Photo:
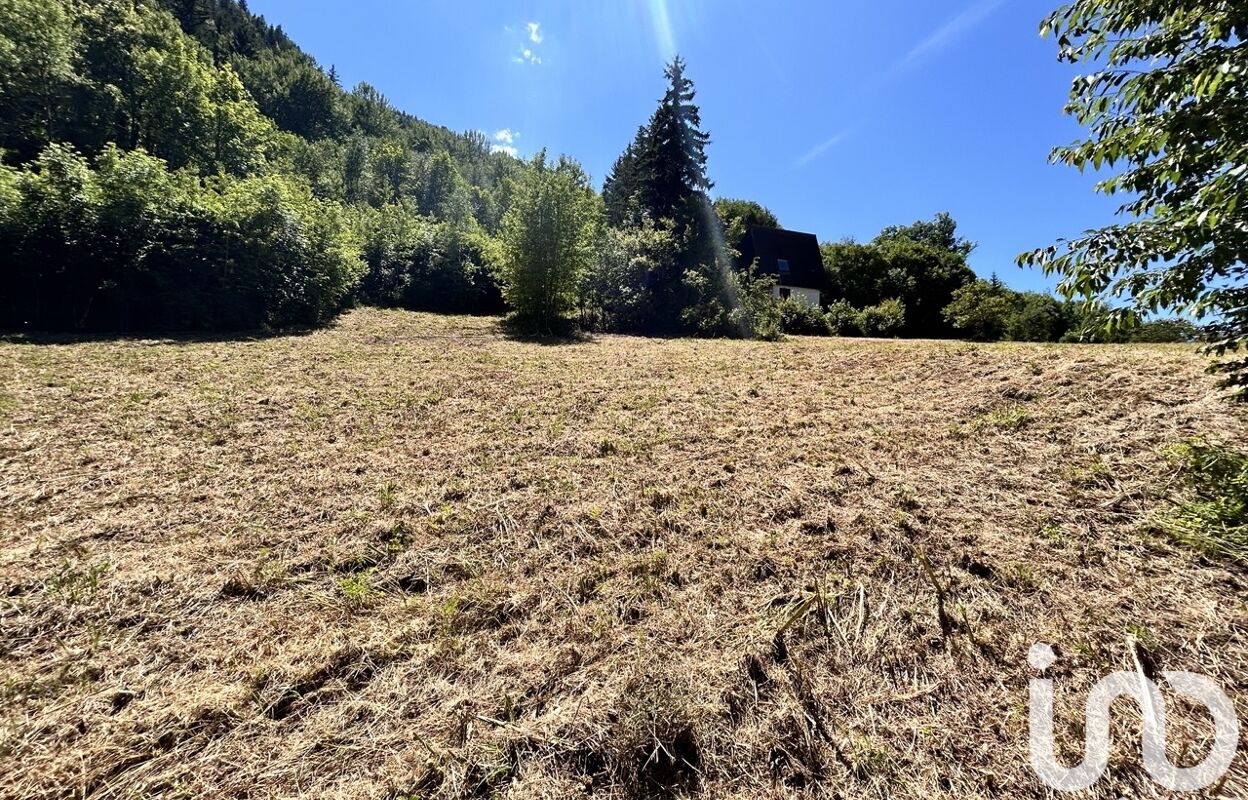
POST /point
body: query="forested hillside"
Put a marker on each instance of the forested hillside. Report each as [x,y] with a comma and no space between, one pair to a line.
[183,165]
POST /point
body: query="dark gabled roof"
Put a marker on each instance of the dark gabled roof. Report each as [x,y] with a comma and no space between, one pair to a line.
[769,245]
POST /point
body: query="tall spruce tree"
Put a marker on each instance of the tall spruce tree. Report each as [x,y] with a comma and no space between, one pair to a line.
[674,157]
[665,165]
[661,177]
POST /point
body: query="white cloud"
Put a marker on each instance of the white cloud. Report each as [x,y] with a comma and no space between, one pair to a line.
[504,142]
[821,148]
[531,36]
[943,36]
[527,56]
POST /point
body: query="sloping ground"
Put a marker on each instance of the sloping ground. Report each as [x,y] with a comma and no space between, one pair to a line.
[409,557]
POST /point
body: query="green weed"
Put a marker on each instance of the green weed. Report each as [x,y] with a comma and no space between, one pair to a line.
[359,590]
[75,583]
[1214,517]
[1005,418]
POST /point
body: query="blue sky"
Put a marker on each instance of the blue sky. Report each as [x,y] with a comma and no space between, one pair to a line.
[842,117]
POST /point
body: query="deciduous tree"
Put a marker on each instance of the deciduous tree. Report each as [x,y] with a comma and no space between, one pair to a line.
[1164,102]
[737,216]
[549,238]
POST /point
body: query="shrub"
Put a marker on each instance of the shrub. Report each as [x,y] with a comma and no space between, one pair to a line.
[885,319]
[980,310]
[801,318]
[1160,331]
[988,311]
[614,295]
[1038,317]
[394,238]
[842,319]
[472,261]
[52,225]
[419,263]
[1091,323]
[131,245]
[726,302]
[273,256]
[1214,518]
[757,310]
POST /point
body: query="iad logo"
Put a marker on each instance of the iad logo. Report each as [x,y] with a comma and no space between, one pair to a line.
[1153,710]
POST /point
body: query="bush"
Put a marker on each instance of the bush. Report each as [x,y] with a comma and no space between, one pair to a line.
[731,303]
[418,263]
[980,310]
[885,319]
[130,245]
[395,237]
[988,311]
[1162,331]
[296,258]
[614,294]
[1214,518]
[472,261]
[801,318]
[842,319]
[757,311]
[1092,323]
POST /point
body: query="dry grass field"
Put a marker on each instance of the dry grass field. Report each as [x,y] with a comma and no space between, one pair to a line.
[409,557]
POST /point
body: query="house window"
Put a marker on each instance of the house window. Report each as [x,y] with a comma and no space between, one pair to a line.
[785,293]
[783,265]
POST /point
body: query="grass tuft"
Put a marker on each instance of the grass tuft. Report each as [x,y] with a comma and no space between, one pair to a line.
[75,583]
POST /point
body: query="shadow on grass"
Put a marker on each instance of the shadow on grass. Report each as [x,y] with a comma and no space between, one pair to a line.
[562,332]
[156,337]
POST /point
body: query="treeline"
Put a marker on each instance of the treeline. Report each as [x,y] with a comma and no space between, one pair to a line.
[914,281]
[183,165]
[123,243]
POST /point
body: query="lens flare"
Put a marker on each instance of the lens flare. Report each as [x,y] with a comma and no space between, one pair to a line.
[664,36]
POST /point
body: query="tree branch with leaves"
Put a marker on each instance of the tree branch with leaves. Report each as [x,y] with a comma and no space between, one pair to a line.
[1167,105]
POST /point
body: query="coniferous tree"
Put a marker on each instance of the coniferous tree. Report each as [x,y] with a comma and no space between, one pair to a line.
[665,165]
[621,192]
[674,157]
[661,177]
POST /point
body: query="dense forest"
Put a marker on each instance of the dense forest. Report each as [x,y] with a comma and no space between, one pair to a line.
[183,165]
